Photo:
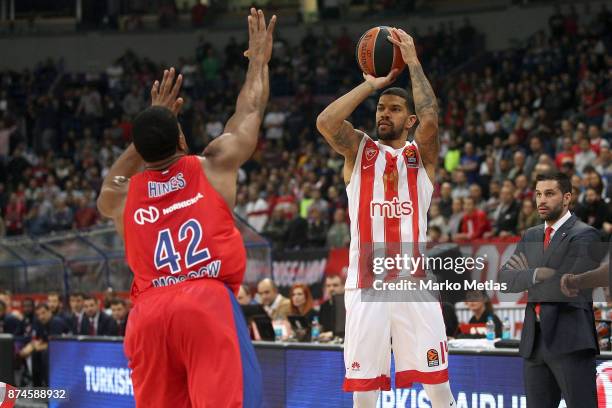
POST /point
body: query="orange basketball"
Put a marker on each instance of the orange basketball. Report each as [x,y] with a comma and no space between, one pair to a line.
[432,355]
[376,55]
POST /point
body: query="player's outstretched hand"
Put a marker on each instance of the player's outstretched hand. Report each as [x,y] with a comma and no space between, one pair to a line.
[166,93]
[406,46]
[381,82]
[260,37]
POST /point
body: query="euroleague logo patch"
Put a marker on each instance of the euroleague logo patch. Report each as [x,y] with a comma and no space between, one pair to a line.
[433,359]
[412,159]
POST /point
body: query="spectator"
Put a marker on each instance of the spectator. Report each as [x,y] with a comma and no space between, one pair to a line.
[506,216]
[454,223]
[481,307]
[338,235]
[276,305]
[14,215]
[593,211]
[446,200]
[461,188]
[297,229]
[317,228]
[244,296]
[9,323]
[528,217]
[45,325]
[276,228]
[519,165]
[94,322]
[273,122]
[474,223]
[257,210]
[585,155]
[334,285]
[133,102]
[120,315]
[86,215]
[56,306]
[437,220]
[62,216]
[301,302]
[28,316]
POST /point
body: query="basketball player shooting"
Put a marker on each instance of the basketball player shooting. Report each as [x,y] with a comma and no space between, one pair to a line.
[389,187]
[186,340]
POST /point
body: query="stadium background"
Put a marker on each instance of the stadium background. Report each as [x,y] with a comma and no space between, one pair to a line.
[507,74]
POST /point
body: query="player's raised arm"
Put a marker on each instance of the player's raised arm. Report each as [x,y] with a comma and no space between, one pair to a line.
[425,103]
[237,143]
[333,124]
[115,186]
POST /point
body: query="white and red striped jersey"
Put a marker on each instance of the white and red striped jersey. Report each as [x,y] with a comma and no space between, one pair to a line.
[388,196]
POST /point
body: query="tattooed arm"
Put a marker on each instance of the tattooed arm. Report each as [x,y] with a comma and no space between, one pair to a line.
[425,104]
[333,124]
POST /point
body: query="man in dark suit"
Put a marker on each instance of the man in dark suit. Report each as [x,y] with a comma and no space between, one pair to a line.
[95,322]
[559,341]
[120,315]
[506,217]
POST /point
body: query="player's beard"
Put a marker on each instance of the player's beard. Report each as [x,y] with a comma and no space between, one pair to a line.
[390,134]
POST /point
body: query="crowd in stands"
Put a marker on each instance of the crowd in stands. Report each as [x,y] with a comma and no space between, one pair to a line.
[505,117]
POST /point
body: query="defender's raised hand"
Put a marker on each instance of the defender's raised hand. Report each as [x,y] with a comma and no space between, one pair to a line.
[166,94]
[260,37]
[405,44]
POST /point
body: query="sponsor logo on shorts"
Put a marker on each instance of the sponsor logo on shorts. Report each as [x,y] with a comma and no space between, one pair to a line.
[433,359]
[143,215]
[355,366]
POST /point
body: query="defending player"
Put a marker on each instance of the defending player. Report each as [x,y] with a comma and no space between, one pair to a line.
[389,187]
[186,341]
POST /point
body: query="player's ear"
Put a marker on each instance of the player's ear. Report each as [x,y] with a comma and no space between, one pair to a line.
[412,119]
[182,142]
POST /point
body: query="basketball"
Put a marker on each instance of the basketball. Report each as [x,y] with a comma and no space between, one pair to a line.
[376,55]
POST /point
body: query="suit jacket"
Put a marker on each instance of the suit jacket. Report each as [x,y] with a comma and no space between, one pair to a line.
[566,324]
[507,220]
[106,325]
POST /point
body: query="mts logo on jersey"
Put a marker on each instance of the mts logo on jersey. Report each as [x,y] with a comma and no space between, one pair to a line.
[157,189]
[390,209]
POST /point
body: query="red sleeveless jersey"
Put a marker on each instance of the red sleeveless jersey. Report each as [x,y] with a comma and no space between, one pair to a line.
[177,227]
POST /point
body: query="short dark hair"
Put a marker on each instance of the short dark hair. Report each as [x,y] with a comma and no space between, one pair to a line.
[402,93]
[156,133]
[89,297]
[77,294]
[42,306]
[565,185]
[55,293]
[118,301]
